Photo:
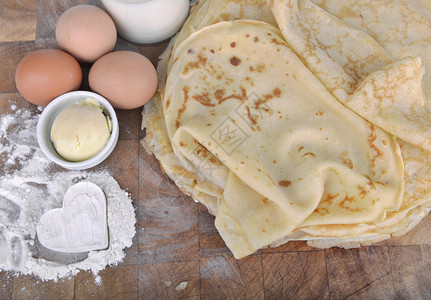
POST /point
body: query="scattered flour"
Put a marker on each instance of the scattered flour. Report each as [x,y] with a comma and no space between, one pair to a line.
[28,189]
[181,286]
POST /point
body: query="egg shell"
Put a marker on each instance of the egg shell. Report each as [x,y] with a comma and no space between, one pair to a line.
[127,79]
[86,31]
[45,74]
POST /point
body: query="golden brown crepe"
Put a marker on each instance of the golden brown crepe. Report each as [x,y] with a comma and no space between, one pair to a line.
[253,123]
[348,52]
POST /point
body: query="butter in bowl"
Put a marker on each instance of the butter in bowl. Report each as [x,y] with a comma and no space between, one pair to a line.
[78,130]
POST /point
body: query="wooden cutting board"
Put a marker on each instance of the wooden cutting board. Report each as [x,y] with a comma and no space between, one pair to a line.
[177,252]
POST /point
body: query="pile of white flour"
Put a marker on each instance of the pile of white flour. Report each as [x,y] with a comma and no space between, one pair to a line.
[28,189]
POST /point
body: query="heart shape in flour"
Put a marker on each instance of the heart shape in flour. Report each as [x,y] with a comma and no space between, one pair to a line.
[80,225]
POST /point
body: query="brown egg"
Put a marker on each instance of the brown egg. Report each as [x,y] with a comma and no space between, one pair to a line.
[87,32]
[127,79]
[45,74]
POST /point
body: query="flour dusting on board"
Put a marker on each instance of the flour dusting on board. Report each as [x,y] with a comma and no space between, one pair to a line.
[28,190]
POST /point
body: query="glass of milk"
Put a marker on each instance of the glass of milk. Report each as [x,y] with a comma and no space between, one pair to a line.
[147,21]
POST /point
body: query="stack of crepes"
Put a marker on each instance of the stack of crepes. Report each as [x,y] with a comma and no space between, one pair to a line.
[298,119]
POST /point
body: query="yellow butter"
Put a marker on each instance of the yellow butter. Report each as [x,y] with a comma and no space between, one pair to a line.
[81,130]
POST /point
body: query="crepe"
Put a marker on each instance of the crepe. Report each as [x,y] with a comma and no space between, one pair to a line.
[401,27]
[203,13]
[254,205]
[415,206]
[350,54]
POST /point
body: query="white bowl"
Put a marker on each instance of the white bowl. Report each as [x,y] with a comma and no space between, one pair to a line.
[147,21]
[48,116]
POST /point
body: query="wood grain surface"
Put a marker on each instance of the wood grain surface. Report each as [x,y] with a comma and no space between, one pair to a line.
[177,252]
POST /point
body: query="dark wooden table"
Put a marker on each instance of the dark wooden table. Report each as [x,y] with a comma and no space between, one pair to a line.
[176,240]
